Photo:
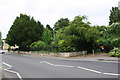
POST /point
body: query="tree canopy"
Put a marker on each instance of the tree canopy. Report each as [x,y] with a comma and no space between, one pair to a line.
[24,31]
[114,15]
[80,21]
[47,35]
[65,36]
[63,22]
[77,36]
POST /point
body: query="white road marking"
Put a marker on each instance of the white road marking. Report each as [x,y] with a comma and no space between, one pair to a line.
[7,64]
[7,69]
[71,66]
[112,74]
[64,65]
[89,69]
[56,64]
[46,62]
[14,73]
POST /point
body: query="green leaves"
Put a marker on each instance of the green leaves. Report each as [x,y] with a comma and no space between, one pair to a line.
[65,46]
[110,36]
[114,15]
[114,31]
[38,44]
[65,36]
[80,21]
[77,36]
[47,36]
[115,52]
[63,22]
[24,31]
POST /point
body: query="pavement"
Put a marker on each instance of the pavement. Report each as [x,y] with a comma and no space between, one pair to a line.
[107,59]
[90,57]
[97,57]
[36,66]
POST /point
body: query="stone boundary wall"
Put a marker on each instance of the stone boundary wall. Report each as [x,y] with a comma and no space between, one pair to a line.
[72,54]
[65,54]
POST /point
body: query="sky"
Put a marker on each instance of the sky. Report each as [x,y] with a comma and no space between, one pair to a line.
[50,11]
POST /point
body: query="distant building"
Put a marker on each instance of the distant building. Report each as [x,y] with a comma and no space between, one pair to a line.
[5,46]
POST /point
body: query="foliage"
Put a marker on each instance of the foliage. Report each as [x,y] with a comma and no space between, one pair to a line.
[46,39]
[114,34]
[56,38]
[66,36]
[48,27]
[115,52]
[24,31]
[113,31]
[47,36]
[65,46]
[114,15]
[77,36]
[114,28]
[80,21]
[109,36]
[103,39]
[63,22]
[39,45]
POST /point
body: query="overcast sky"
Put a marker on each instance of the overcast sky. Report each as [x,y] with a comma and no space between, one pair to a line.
[49,11]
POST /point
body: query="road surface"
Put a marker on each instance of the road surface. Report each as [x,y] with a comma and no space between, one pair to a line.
[34,66]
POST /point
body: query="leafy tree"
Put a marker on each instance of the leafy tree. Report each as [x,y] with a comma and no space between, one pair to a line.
[24,31]
[114,29]
[81,35]
[62,42]
[56,38]
[80,21]
[63,22]
[47,36]
[82,38]
[65,46]
[114,33]
[109,36]
[114,15]
[104,38]
[45,43]
[77,36]
[102,30]
[48,27]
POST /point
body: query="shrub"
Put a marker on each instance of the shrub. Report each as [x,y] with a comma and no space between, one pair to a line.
[39,45]
[115,52]
[65,46]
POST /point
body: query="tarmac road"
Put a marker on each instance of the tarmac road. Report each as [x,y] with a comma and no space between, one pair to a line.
[28,66]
